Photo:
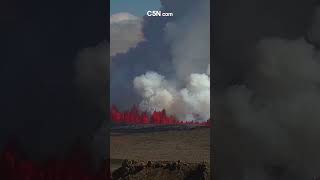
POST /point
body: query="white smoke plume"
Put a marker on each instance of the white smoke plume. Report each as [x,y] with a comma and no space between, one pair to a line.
[125,32]
[159,94]
[186,94]
[154,90]
[189,38]
[196,95]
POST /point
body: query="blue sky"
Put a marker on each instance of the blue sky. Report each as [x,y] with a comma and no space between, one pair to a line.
[135,7]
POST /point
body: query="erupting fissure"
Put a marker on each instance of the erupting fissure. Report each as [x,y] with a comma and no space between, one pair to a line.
[77,165]
[135,116]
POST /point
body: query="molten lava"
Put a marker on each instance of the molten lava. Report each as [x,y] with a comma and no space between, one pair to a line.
[135,116]
[77,166]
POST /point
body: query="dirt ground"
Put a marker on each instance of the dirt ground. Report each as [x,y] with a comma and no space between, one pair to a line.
[191,146]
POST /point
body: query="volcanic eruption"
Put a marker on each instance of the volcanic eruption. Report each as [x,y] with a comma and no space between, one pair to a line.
[165,77]
[136,117]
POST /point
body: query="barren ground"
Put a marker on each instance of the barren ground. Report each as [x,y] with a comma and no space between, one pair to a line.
[191,146]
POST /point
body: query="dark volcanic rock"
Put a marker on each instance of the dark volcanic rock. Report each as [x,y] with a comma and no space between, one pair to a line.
[161,170]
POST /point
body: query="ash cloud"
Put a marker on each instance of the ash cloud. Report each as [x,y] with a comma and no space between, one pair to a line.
[161,71]
[125,32]
[159,94]
[91,74]
[267,120]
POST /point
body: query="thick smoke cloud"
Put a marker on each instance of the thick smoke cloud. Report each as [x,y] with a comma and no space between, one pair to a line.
[91,74]
[159,94]
[238,26]
[189,38]
[267,120]
[154,90]
[125,32]
[287,102]
[91,77]
[160,73]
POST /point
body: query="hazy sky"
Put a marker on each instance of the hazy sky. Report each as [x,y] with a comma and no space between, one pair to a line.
[136,7]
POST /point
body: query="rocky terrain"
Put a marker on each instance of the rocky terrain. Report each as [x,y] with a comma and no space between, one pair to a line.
[164,146]
[161,170]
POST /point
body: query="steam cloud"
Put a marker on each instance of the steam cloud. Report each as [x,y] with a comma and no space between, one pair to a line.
[125,32]
[169,70]
[270,114]
[158,94]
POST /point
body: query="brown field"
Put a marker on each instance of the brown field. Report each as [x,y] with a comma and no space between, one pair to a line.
[192,146]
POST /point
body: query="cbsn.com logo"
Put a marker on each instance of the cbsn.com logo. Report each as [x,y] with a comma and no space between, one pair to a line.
[158,13]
